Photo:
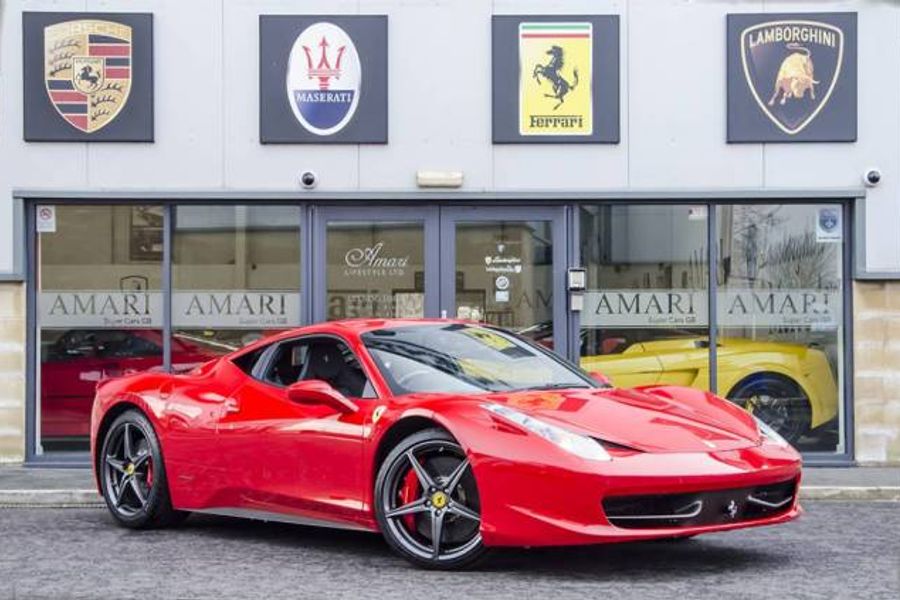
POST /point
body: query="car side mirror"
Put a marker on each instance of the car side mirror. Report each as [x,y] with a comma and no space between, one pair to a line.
[601,378]
[316,391]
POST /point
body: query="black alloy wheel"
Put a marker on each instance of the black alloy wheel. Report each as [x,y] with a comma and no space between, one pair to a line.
[777,401]
[426,502]
[132,474]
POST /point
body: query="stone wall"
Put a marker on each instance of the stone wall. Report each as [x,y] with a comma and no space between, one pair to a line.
[876,361]
[12,372]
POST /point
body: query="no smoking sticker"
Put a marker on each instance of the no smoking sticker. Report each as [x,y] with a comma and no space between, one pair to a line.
[46,219]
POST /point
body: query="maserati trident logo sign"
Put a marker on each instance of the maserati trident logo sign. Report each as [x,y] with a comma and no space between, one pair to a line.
[792,67]
[323,78]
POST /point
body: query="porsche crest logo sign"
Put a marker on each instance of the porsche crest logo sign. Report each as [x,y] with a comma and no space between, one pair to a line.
[780,59]
[792,77]
[88,77]
[555,79]
[555,74]
[87,67]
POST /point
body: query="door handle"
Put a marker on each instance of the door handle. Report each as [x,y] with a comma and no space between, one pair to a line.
[231,405]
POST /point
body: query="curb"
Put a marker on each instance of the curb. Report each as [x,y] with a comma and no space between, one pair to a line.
[50,499]
[91,499]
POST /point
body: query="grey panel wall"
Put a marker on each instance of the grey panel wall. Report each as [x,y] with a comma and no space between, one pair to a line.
[672,103]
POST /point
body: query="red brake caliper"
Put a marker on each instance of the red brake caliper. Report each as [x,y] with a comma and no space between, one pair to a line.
[149,473]
[409,492]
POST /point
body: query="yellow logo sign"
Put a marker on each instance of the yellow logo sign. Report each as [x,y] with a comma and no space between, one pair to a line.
[439,499]
[555,78]
[87,71]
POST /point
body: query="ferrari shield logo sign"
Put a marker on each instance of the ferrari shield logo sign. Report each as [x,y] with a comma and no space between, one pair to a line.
[555,78]
[792,67]
[87,71]
[323,78]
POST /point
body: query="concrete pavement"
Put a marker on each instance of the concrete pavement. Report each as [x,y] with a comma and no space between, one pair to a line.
[835,550]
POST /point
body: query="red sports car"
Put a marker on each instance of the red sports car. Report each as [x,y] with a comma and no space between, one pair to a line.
[448,437]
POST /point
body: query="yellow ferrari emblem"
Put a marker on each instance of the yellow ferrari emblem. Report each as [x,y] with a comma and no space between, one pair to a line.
[129,470]
[439,499]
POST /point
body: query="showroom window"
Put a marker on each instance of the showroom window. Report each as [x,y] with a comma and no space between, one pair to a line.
[99,310]
[645,316]
[780,317]
[779,307]
[235,278]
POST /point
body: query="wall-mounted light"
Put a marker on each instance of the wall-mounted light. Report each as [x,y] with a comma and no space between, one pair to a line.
[439,179]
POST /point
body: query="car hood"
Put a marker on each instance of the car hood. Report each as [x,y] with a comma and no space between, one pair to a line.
[657,419]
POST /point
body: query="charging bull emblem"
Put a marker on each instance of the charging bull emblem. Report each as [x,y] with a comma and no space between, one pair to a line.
[778,64]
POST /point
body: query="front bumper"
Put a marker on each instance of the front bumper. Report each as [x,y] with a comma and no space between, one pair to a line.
[550,505]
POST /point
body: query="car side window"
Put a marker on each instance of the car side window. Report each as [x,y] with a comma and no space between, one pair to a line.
[325,359]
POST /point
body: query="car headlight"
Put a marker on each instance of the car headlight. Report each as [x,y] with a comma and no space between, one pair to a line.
[769,434]
[579,445]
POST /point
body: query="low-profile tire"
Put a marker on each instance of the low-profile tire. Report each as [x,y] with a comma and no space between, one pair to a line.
[133,476]
[777,400]
[425,490]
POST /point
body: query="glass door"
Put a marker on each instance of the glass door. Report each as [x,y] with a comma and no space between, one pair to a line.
[507,266]
[375,263]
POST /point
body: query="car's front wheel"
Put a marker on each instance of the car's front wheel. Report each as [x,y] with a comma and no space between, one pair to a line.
[777,401]
[132,474]
[427,504]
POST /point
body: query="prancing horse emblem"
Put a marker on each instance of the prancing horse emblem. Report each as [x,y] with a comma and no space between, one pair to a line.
[731,509]
[551,72]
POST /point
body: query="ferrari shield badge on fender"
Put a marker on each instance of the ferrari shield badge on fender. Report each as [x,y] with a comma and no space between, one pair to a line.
[323,78]
[555,78]
[792,67]
[87,71]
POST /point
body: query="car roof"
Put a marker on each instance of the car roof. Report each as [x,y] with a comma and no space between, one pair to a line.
[348,327]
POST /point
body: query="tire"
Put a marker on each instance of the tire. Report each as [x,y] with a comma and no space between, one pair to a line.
[777,400]
[439,488]
[133,476]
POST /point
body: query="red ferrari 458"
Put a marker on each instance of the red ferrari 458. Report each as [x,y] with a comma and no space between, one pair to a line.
[449,438]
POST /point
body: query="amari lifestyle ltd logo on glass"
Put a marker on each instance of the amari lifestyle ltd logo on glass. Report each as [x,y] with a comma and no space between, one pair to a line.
[323,78]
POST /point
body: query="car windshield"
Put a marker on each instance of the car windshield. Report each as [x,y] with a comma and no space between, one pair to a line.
[463,358]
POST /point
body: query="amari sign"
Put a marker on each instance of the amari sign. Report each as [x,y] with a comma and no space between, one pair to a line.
[812,308]
[226,309]
[792,77]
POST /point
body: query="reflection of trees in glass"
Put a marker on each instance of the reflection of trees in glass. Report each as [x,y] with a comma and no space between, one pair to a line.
[799,261]
[764,252]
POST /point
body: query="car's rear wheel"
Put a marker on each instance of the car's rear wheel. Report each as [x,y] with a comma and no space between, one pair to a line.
[427,504]
[133,476]
[776,400]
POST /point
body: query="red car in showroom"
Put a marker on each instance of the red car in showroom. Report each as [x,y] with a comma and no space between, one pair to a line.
[448,437]
[75,361]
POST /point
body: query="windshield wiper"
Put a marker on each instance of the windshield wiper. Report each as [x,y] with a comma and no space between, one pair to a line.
[558,386]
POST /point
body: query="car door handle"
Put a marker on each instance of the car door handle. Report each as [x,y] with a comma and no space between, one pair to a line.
[231,405]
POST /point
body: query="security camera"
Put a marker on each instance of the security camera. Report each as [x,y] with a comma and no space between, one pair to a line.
[872,177]
[309,180]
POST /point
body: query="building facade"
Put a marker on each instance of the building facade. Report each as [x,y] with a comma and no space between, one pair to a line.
[661,191]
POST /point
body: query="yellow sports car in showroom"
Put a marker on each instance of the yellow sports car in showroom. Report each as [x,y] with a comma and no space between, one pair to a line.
[789,386]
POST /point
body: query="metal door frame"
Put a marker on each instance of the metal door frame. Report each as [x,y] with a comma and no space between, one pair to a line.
[322,215]
[556,215]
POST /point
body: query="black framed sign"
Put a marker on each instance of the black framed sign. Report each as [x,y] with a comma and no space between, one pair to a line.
[792,77]
[88,77]
[323,79]
[555,79]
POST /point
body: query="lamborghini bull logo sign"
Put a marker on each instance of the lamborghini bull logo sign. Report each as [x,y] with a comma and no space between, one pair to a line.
[792,67]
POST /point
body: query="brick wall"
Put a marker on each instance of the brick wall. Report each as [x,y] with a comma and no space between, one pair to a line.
[12,372]
[877,371]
